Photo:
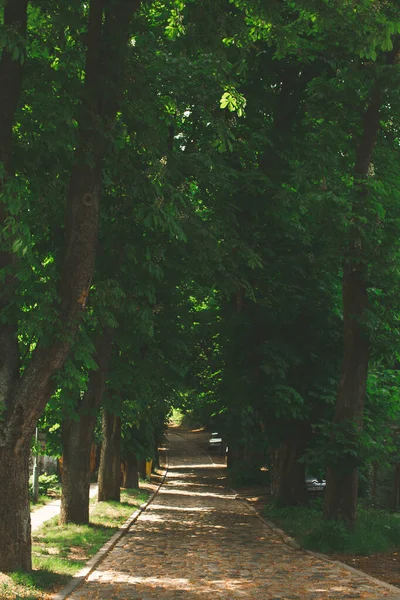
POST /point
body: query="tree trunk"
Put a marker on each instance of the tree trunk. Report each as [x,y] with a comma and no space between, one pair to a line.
[94,459]
[374,483]
[342,475]
[110,459]
[236,454]
[15,513]
[395,489]
[130,474]
[77,438]
[142,467]
[15,532]
[288,486]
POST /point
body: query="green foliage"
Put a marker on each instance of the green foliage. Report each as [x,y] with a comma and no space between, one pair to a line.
[376,530]
[49,485]
[228,197]
[233,101]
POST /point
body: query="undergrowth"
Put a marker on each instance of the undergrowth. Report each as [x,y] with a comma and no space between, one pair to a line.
[376,530]
[247,475]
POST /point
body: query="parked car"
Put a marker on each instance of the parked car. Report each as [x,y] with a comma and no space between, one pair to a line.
[314,484]
[215,442]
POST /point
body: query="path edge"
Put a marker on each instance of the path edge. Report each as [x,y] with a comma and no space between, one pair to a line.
[287,539]
[92,563]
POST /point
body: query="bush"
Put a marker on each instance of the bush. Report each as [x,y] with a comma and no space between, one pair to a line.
[49,485]
[327,536]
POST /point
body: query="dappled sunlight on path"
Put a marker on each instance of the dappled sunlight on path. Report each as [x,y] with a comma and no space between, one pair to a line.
[197,541]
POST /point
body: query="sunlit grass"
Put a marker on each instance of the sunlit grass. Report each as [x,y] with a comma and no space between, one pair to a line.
[58,552]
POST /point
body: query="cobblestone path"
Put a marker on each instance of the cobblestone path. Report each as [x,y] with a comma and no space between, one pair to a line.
[197,542]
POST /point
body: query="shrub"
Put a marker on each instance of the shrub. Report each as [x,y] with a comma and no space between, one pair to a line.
[49,485]
[327,536]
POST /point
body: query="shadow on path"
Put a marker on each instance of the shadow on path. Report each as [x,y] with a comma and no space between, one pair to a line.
[197,541]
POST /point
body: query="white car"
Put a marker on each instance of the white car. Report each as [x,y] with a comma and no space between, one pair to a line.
[313,484]
[215,441]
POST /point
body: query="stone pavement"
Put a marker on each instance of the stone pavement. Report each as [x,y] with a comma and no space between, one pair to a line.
[197,542]
[52,509]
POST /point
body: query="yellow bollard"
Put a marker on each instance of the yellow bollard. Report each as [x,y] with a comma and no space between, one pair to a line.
[149,465]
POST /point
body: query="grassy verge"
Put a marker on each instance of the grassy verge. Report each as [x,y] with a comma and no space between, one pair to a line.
[41,501]
[44,499]
[49,490]
[60,551]
[376,531]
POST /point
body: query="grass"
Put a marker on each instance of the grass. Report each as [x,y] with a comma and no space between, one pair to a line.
[376,530]
[42,500]
[48,494]
[58,552]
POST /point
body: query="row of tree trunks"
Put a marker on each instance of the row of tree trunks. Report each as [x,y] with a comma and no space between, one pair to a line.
[114,473]
[77,439]
[25,397]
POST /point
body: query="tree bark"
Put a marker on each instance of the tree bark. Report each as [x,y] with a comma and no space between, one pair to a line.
[374,483]
[94,459]
[342,476]
[15,17]
[235,455]
[77,439]
[15,516]
[110,459]
[288,486]
[25,397]
[395,488]
[142,468]
[130,474]
[15,532]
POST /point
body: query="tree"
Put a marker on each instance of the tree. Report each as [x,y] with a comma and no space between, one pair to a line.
[25,395]
[110,459]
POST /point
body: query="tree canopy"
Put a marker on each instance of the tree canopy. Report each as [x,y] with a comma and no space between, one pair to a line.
[200,208]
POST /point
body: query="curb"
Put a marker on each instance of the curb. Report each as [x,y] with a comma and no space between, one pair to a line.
[90,566]
[293,544]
